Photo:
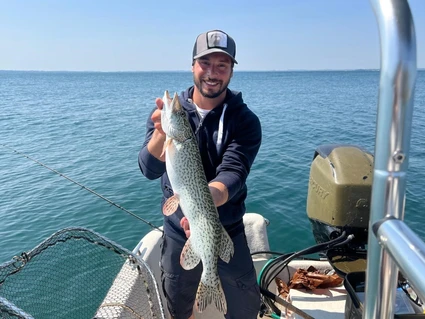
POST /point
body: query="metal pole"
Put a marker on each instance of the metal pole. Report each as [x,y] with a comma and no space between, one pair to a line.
[406,249]
[395,108]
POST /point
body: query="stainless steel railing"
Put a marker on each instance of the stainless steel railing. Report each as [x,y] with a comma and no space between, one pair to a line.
[406,249]
[392,145]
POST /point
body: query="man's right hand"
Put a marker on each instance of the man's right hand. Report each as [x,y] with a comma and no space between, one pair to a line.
[156,144]
[156,115]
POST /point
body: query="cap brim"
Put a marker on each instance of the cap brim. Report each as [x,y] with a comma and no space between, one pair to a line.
[214,50]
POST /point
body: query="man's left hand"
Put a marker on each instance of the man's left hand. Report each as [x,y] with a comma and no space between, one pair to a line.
[184,223]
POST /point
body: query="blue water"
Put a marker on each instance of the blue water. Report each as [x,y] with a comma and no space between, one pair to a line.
[90,127]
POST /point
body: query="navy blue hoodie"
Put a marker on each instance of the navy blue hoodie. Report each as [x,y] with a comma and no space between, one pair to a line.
[227,151]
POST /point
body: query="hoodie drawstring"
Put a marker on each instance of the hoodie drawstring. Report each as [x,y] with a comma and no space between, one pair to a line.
[220,124]
[220,128]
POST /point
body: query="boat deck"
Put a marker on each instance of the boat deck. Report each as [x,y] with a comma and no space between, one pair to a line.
[326,303]
[318,303]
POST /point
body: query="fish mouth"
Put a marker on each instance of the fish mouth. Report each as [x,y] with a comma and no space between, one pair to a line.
[167,100]
[171,104]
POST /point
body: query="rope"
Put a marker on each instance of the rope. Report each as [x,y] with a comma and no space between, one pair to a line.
[83,187]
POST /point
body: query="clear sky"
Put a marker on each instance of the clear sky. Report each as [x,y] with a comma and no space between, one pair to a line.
[142,35]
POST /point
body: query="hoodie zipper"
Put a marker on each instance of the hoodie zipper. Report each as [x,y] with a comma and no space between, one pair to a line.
[201,120]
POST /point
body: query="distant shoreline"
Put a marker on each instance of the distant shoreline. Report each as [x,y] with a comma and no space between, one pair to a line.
[188,71]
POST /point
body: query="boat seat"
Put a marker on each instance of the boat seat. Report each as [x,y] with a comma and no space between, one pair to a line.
[256,233]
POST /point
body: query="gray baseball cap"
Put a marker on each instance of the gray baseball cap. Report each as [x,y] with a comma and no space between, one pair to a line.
[214,41]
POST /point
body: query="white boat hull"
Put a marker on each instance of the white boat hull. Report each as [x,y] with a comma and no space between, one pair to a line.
[320,303]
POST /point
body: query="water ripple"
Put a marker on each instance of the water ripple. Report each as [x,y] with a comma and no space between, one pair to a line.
[90,127]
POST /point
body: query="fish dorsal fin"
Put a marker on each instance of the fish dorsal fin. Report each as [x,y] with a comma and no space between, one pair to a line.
[170,206]
[188,258]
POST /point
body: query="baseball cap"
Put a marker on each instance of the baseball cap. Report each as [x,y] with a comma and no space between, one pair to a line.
[214,41]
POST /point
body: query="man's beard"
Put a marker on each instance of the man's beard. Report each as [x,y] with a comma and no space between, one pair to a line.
[221,88]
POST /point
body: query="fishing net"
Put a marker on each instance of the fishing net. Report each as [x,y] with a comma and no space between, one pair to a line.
[77,273]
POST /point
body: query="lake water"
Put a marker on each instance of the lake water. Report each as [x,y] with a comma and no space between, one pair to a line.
[90,126]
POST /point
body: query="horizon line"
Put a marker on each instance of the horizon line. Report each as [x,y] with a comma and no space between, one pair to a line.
[136,71]
[188,71]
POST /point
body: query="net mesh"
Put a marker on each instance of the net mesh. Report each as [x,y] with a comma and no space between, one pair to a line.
[77,273]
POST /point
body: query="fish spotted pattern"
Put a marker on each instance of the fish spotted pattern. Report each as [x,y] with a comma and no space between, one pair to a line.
[208,239]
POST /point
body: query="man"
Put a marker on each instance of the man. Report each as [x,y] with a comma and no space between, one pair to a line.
[229,137]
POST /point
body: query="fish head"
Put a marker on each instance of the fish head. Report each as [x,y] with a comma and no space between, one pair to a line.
[173,119]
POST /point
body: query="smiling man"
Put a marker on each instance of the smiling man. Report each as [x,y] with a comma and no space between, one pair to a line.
[228,134]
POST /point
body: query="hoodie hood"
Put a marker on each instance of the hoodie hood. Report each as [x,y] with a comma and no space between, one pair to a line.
[232,102]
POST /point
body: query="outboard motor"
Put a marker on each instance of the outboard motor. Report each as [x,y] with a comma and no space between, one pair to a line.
[338,201]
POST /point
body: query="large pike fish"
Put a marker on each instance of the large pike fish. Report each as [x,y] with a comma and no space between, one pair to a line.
[208,239]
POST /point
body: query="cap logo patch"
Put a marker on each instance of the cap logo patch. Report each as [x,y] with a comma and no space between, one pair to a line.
[217,39]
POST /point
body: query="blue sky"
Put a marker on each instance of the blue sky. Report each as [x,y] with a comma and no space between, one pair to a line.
[141,35]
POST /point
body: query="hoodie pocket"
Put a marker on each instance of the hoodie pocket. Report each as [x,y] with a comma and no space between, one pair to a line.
[247,281]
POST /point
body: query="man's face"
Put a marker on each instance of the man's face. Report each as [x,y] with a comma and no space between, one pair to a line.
[212,73]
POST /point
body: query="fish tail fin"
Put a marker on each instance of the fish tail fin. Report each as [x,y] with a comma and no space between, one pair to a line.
[208,294]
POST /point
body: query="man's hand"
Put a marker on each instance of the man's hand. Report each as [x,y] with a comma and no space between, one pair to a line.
[184,223]
[156,115]
[156,144]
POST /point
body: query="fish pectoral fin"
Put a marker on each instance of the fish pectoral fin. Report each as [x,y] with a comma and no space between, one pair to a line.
[207,294]
[167,142]
[171,205]
[188,258]
[227,248]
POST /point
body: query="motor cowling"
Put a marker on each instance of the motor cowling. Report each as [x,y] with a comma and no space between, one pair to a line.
[338,200]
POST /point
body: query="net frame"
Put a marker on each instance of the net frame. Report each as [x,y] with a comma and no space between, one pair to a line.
[124,274]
